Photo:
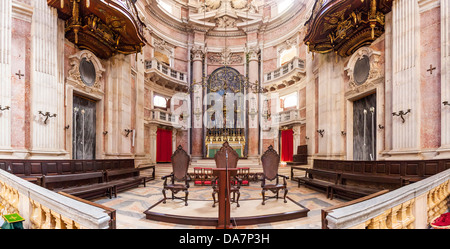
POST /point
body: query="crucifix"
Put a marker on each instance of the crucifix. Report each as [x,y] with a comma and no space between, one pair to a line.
[431,69]
[20,75]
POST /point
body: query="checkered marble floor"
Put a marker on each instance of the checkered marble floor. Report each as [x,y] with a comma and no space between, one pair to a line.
[130,205]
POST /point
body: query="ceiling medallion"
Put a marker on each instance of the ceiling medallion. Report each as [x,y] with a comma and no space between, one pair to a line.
[344,26]
[103,28]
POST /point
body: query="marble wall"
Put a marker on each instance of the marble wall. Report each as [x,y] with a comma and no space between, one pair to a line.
[5,75]
[416,37]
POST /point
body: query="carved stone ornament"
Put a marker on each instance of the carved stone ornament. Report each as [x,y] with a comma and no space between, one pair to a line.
[242,5]
[197,52]
[288,44]
[162,46]
[225,57]
[226,22]
[366,62]
[88,76]
[253,53]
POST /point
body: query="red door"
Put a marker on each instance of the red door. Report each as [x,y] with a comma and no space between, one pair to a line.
[287,145]
[163,145]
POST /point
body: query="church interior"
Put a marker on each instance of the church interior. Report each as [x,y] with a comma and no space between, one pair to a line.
[162,114]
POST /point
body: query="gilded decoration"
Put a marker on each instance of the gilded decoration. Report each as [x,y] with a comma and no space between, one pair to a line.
[103,28]
[226,78]
[344,26]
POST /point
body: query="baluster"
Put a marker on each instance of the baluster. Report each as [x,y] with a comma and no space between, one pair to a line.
[76,225]
[48,223]
[410,215]
[36,215]
[402,215]
[58,220]
[394,218]
[68,223]
[7,198]
[430,205]
[384,218]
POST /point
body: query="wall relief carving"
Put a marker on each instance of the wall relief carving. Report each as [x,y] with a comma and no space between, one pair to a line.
[86,72]
[364,70]
[226,57]
[242,5]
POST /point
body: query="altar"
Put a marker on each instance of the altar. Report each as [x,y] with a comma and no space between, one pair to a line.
[212,148]
[215,138]
[225,118]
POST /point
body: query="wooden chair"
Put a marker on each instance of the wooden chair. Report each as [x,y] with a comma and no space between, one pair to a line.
[224,155]
[270,163]
[180,165]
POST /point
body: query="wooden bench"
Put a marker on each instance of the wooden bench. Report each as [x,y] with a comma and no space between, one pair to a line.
[350,192]
[124,178]
[145,167]
[398,180]
[310,180]
[296,168]
[83,185]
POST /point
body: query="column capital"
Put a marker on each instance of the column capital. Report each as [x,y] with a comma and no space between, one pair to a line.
[253,53]
[197,52]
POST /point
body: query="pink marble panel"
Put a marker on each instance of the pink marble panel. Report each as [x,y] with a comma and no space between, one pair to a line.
[20,88]
[430,84]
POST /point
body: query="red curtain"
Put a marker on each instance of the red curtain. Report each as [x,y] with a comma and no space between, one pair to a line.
[163,145]
[287,145]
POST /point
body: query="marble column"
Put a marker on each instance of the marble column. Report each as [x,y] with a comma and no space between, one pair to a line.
[253,97]
[197,53]
[46,88]
[139,148]
[153,130]
[405,79]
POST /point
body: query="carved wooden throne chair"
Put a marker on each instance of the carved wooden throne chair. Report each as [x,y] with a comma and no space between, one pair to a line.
[270,163]
[221,162]
[179,178]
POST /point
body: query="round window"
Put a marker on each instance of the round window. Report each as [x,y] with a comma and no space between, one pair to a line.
[362,70]
[87,72]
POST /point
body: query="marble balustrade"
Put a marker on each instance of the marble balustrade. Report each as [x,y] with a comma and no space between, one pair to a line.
[44,209]
[411,207]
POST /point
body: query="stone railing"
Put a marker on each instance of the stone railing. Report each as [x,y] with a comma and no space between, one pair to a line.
[44,209]
[283,118]
[166,72]
[409,207]
[166,118]
[291,68]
